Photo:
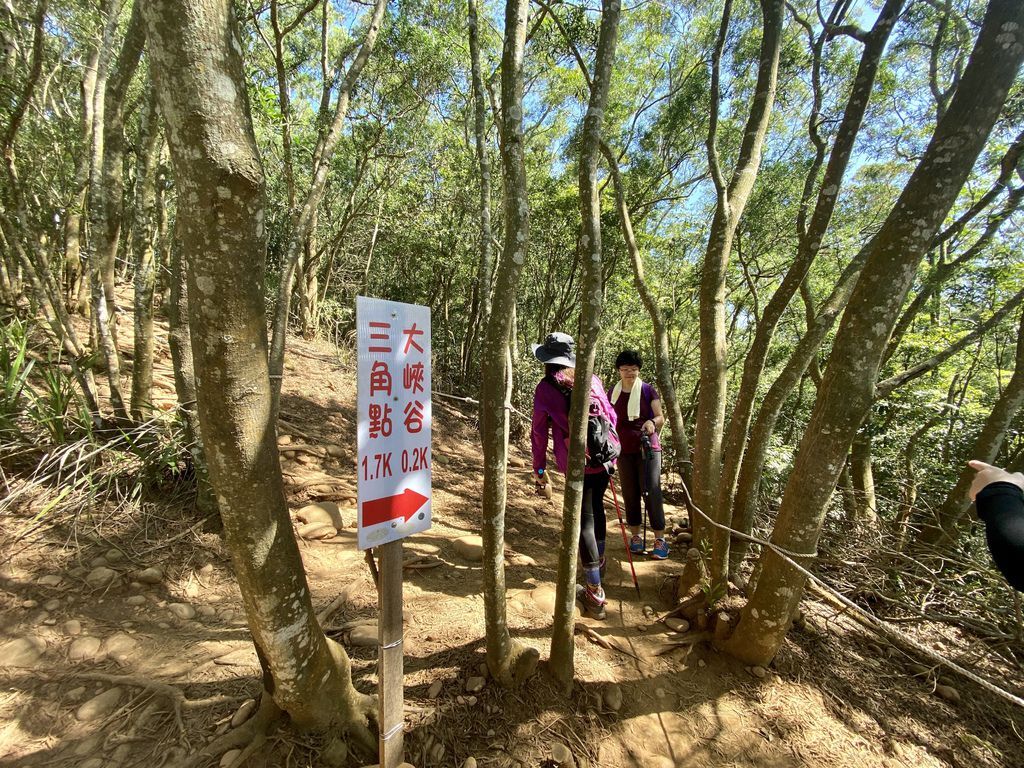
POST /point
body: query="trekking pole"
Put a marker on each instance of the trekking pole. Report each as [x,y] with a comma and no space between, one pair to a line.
[645,457]
[622,527]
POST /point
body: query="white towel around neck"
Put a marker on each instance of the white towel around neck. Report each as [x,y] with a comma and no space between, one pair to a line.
[633,406]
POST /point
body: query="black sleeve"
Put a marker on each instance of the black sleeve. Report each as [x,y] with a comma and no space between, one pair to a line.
[1001,507]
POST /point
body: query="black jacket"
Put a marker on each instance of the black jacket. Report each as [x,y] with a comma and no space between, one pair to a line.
[1001,507]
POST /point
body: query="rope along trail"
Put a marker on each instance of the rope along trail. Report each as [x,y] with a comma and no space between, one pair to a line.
[879,625]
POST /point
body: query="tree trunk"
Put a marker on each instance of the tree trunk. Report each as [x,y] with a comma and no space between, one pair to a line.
[863,478]
[481,303]
[892,259]
[732,199]
[144,233]
[509,661]
[986,448]
[662,357]
[179,339]
[200,81]
[75,270]
[107,199]
[752,469]
[810,238]
[848,493]
[562,642]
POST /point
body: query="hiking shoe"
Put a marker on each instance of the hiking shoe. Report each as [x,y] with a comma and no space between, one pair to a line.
[636,545]
[660,551]
[593,601]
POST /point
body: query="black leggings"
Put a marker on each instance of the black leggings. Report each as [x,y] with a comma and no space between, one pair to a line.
[592,522]
[634,477]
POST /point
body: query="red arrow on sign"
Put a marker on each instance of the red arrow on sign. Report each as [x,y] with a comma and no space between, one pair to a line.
[403,505]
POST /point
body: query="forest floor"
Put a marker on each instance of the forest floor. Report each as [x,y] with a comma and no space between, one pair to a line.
[124,643]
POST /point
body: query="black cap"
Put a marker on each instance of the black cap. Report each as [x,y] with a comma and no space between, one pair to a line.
[557,349]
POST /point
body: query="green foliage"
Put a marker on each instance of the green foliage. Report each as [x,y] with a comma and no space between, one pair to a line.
[15,369]
[55,408]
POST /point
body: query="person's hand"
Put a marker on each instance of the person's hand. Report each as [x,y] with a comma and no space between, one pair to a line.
[648,427]
[987,474]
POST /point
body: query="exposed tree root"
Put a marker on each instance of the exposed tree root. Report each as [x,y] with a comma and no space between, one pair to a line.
[176,697]
[518,666]
[249,736]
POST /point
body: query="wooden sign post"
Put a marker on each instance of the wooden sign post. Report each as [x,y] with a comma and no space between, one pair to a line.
[394,477]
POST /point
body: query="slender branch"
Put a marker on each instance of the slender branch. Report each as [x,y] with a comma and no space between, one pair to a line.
[885,388]
[714,162]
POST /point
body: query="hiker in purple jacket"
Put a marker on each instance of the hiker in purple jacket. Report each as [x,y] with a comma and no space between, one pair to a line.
[551,418]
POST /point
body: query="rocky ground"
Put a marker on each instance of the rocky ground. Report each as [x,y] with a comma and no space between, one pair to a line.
[123,642]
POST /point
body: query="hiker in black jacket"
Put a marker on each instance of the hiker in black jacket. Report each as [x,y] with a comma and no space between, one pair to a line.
[999,498]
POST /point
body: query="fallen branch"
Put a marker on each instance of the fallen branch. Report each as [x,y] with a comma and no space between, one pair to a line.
[603,641]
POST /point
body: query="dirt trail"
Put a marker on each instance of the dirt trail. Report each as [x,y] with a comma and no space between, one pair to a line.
[83,618]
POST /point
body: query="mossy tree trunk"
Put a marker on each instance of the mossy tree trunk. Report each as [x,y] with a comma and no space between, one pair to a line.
[195,56]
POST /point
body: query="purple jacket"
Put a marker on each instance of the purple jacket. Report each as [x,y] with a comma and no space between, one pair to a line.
[551,416]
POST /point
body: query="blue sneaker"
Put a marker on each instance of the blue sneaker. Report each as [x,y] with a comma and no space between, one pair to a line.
[660,551]
[636,545]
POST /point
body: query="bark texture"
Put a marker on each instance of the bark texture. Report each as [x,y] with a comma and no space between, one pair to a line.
[510,662]
[481,302]
[199,77]
[107,199]
[144,234]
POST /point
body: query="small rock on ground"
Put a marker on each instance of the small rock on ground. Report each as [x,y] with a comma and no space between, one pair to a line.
[317,531]
[100,706]
[759,672]
[435,689]
[84,648]
[72,627]
[613,697]
[120,647]
[561,755]
[677,625]
[470,547]
[183,611]
[475,684]
[365,635]
[22,652]
[321,512]
[228,758]
[100,577]
[150,576]
[947,693]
